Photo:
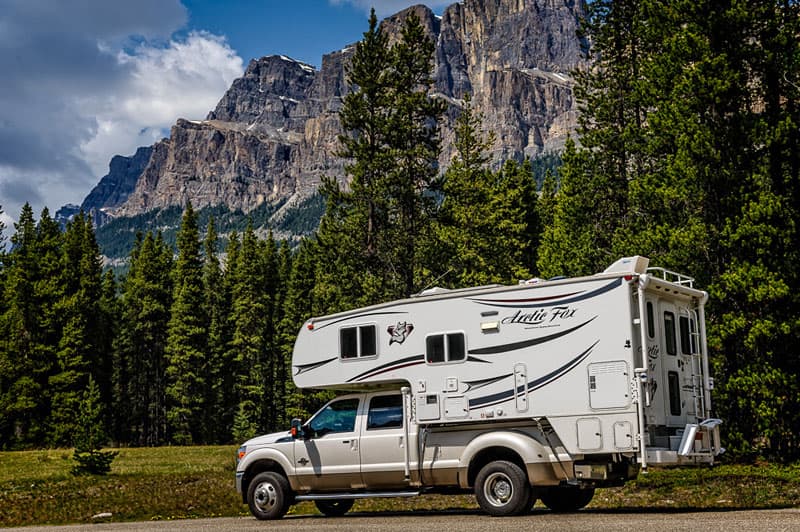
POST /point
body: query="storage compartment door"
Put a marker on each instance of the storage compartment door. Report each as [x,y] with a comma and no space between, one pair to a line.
[590,434]
[609,385]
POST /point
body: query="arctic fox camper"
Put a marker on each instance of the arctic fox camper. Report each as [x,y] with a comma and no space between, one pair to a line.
[543,390]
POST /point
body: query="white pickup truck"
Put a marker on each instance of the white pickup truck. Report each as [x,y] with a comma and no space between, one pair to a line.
[356,446]
[541,390]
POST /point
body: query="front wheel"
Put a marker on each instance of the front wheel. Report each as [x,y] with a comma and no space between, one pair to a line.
[502,488]
[334,507]
[269,495]
[567,499]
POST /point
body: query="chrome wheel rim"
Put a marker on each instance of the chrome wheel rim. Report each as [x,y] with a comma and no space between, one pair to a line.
[265,497]
[498,489]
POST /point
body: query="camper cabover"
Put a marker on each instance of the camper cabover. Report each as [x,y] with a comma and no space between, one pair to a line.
[543,390]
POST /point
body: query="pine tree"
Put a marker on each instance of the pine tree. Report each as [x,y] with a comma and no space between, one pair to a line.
[219,399]
[140,378]
[515,216]
[465,223]
[90,436]
[372,236]
[187,339]
[249,322]
[300,304]
[78,355]
[20,385]
[568,243]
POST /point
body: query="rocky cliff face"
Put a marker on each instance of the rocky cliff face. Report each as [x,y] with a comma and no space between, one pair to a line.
[274,133]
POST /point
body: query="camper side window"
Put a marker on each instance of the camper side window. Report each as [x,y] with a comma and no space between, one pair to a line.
[688,344]
[359,341]
[651,326]
[669,333]
[447,347]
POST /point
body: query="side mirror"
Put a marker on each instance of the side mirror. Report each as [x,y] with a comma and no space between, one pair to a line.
[297,429]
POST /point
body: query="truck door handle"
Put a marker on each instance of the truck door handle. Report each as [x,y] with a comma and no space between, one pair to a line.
[345,441]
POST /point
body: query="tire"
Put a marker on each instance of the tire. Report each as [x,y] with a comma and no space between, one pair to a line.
[502,488]
[334,507]
[566,499]
[269,496]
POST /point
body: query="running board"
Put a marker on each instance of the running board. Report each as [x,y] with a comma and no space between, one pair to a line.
[355,495]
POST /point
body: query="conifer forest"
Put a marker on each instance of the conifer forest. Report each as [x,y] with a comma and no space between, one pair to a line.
[687,152]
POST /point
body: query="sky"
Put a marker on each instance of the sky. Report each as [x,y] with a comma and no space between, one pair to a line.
[84,80]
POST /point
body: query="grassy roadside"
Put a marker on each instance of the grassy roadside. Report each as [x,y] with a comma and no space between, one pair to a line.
[183,482]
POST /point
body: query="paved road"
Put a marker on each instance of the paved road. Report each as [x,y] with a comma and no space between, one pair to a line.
[587,520]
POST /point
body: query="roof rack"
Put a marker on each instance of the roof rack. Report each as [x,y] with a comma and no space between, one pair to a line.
[672,277]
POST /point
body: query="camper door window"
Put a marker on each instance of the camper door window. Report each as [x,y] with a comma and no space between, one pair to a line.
[445,347]
[669,333]
[358,342]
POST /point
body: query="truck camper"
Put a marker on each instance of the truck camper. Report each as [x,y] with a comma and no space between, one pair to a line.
[543,390]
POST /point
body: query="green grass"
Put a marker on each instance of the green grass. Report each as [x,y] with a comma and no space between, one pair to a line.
[36,487]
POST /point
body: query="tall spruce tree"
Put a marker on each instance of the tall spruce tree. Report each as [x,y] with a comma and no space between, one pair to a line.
[249,323]
[219,398]
[141,344]
[372,236]
[20,369]
[465,226]
[187,339]
[78,354]
[300,304]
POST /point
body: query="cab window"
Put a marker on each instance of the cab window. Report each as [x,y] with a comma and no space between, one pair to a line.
[338,416]
[385,412]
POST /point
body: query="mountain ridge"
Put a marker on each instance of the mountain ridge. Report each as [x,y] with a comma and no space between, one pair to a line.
[273,134]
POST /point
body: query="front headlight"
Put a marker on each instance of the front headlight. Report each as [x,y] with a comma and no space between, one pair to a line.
[241,453]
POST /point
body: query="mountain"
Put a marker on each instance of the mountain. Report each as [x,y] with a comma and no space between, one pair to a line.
[274,132]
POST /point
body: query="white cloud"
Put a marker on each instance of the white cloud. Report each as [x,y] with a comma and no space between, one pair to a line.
[83,81]
[384,8]
[184,79]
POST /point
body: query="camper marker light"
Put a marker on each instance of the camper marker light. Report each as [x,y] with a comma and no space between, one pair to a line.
[310,325]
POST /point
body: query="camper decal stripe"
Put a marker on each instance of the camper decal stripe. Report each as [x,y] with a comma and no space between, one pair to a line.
[585,295]
[474,385]
[314,365]
[527,299]
[497,398]
[473,359]
[356,317]
[525,343]
[402,363]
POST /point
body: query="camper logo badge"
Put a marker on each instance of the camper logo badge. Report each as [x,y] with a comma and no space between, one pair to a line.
[399,332]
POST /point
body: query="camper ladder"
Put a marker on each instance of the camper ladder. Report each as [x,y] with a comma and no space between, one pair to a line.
[698,378]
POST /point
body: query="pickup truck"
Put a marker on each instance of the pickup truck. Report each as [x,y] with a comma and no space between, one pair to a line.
[367,445]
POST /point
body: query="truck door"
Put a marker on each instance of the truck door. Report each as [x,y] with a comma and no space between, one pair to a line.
[672,366]
[329,457]
[383,443]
